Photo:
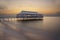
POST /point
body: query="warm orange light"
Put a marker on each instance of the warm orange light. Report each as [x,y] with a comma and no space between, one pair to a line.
[40,10]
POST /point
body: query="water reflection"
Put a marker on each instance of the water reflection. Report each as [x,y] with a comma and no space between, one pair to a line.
[31,24]
[46,29]
[33,30]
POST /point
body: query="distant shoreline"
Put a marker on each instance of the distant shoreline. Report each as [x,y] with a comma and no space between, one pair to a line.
[51,16]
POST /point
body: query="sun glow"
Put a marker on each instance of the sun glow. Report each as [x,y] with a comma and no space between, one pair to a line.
[41,6]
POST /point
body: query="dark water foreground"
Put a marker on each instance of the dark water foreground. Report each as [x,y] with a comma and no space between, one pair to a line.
[46,29]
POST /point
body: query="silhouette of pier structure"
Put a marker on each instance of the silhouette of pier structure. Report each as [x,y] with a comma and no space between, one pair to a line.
[7,17]
[29,15]
[23,15]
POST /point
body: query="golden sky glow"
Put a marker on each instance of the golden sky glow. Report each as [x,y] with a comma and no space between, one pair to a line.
[42,6]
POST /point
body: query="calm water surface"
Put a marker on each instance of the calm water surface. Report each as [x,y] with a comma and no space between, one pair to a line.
[46,29]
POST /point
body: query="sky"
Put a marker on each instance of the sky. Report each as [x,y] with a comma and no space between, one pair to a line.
[41,6]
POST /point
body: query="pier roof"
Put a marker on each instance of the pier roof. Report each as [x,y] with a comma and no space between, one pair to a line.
[28,12]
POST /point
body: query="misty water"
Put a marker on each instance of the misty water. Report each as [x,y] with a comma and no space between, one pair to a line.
[46,29]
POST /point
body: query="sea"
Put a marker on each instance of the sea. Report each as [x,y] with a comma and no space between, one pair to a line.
[46,29]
